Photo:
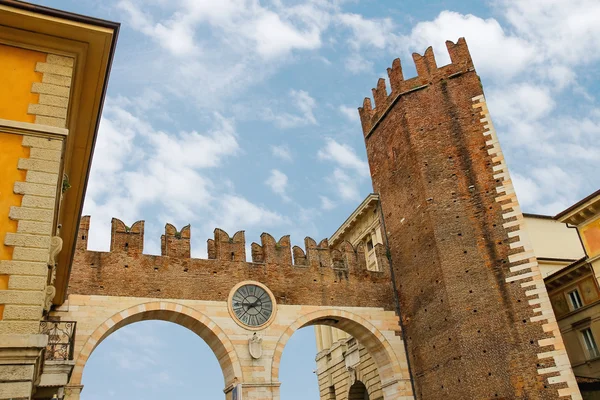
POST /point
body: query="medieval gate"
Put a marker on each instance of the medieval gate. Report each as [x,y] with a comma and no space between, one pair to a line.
[109,290]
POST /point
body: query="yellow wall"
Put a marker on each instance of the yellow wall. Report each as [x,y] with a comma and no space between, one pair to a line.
[590,234]
[11,151]
[17,74]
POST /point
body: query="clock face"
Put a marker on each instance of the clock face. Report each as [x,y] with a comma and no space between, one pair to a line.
[252,305]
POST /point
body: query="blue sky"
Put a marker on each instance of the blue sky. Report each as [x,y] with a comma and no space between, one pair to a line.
[241,114]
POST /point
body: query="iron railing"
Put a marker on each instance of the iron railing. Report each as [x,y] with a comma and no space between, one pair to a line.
[61,339]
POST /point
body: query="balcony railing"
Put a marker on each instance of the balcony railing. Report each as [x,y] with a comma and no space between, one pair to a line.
[61,339]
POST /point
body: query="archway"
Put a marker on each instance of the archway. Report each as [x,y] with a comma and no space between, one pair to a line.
[187,317]
[358,391]
[152,360]
[367,334]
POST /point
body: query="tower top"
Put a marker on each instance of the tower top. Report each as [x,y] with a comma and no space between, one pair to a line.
[427,73]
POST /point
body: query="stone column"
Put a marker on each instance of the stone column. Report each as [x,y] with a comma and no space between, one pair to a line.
[73,392]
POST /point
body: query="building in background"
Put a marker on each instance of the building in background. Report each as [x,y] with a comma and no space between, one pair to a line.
[53,74]
[575,295]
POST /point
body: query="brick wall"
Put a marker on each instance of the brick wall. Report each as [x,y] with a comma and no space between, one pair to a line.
[315,276]
[474,329]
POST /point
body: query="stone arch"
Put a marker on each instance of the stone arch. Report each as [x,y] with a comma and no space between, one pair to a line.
[187,317]
[358,391]
[367,334]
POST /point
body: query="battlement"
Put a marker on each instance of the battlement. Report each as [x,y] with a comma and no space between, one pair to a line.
[223,247]
[314,275]
[427,73]
[176,243]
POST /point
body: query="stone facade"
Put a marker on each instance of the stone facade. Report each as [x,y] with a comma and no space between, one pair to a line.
[475,313]
[32,164]
[52,73]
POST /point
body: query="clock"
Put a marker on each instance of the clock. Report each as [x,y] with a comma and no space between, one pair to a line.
[251,305]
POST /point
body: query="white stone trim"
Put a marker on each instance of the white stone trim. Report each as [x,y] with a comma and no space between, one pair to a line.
[530,269]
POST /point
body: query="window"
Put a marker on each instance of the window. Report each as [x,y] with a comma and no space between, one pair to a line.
[331,393]
[575,299]
[370,245]
[590,343]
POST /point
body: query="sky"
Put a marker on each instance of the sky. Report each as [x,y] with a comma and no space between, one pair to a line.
[242,115]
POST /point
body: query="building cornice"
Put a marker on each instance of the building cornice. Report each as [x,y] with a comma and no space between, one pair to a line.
[371,200]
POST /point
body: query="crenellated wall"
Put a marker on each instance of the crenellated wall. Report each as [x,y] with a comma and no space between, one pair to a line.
[316,275]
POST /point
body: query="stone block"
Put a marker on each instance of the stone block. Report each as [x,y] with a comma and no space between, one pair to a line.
[31,214]
[58,80]
[53,69]
[47,203]
[26,240]
[34,227]
[50,121]
[42,143]
[19,327]
[55,101]
[15,390]
[30,254]
[36,189]
[15,312]
[46,110]
[10,267]
[26,297]
[16,373]
[45,154]
[60,60]
[46,88]
[42,177]
[26,282]
[39,165]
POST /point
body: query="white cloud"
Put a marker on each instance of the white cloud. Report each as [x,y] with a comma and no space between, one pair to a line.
[242,23]
[351,113]
[274,37]
[137,167]
[357,64]
[175,34]
[235,212]
[345,185]
[278,182]
[305,105]
[367,32]
[282,152]
[520,102]
[326,203]
[495,52]
[527,190]
[567,30]
[344,156]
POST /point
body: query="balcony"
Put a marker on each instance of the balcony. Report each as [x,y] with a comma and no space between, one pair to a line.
[61,339]
[58,358]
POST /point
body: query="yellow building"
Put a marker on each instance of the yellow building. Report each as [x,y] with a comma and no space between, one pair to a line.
[53,74]
[575,295]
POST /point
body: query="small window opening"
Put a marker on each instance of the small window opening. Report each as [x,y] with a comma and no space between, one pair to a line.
[575,299]
[590,343]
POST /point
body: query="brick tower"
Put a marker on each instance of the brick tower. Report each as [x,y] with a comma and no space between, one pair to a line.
[476,317]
